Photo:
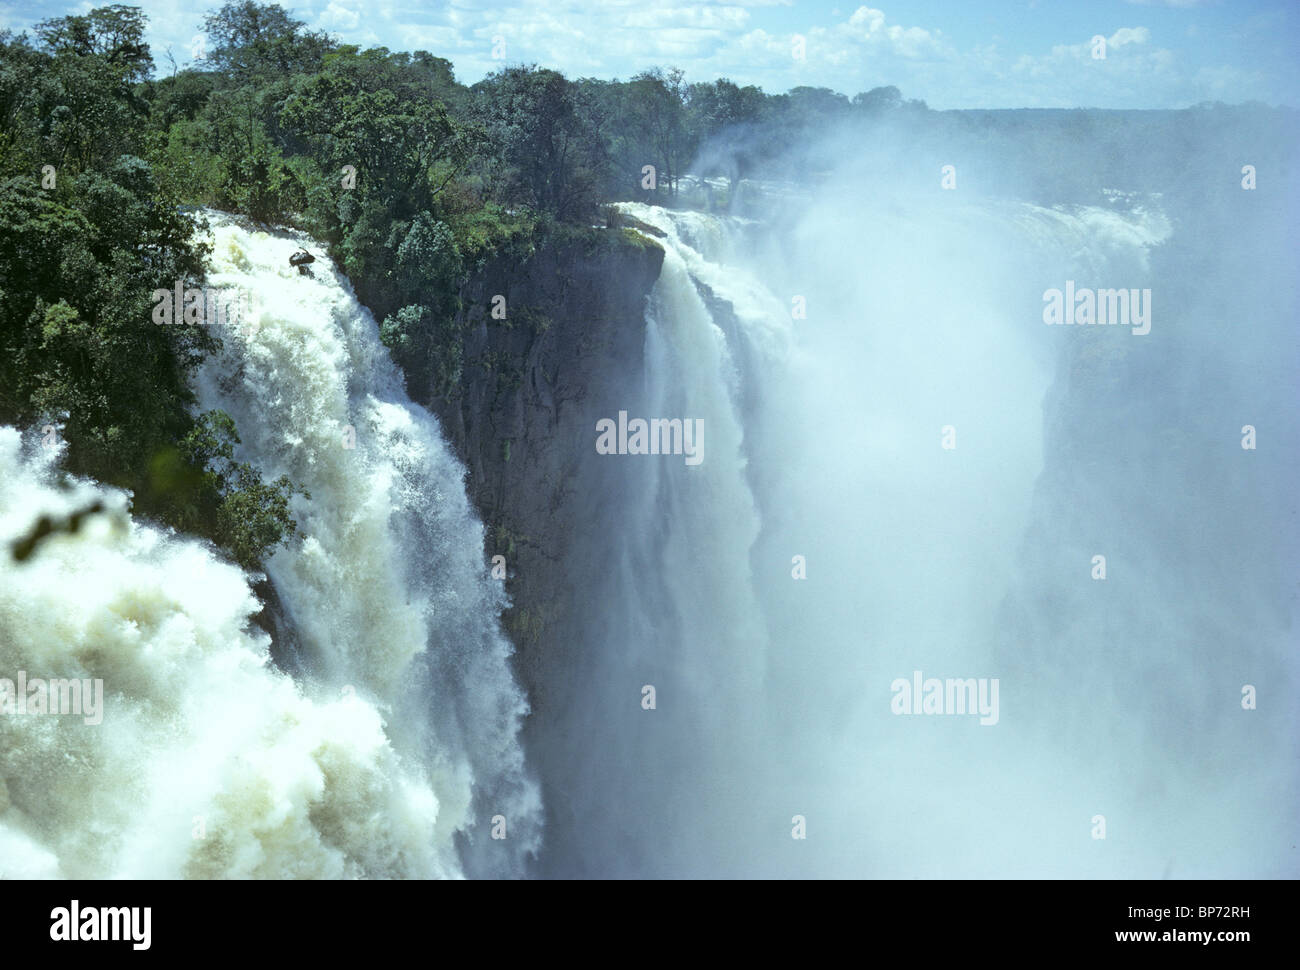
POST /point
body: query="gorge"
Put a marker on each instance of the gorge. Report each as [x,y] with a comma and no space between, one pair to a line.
[380,704]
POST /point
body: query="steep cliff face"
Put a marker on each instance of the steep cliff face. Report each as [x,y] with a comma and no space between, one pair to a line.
[572,336]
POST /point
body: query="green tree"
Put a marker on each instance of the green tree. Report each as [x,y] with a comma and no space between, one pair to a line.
[658,110]
[257,41]
[547,151]
[112,34]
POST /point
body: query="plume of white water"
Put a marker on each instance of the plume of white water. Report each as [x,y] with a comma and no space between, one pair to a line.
[921,317]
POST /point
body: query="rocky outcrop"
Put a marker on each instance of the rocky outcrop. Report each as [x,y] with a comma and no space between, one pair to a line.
[521,420]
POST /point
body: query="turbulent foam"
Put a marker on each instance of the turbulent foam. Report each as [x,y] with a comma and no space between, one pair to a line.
[208,762]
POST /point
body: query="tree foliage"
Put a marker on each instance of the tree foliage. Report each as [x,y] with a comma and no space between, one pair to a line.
[87,232]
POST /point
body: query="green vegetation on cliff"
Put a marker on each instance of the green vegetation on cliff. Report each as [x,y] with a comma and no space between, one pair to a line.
[87,231]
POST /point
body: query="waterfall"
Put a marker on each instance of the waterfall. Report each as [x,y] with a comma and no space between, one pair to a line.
[665,605]
[898,473]
[889,415]
[394,749]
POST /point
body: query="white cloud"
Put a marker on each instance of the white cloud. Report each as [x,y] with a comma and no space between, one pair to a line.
[860,48]
[1129,35]
[339,16]
[1174,3]
[711,18]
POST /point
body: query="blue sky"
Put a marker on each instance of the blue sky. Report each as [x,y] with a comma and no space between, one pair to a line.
[952,54]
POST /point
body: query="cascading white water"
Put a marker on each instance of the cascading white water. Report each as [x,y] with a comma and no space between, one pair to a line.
[398,747]
[664,539]
[392,568]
